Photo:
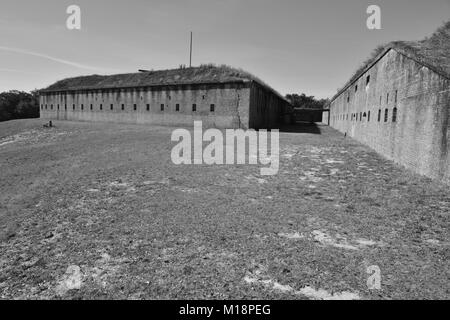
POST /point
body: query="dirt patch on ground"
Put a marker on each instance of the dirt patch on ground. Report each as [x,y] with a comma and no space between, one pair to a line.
[33,136]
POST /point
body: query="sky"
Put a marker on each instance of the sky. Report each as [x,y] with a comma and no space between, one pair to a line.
[295,46]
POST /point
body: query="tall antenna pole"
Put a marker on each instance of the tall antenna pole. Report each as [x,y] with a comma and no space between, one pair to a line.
[190,53]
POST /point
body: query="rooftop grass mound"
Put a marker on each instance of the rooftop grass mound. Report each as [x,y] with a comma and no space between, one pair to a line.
[204,74]
[433,52]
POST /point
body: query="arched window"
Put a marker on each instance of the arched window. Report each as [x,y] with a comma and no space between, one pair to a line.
[386,114]
[394,115]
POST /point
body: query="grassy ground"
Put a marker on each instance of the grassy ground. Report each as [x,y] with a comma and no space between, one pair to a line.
[99,211]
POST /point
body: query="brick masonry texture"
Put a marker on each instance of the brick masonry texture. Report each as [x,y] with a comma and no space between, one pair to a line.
[224,105]
[400,108]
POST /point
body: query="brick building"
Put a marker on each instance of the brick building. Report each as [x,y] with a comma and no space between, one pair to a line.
[219,96]
[398,104]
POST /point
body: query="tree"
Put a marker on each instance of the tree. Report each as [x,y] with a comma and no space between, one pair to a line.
[19,105]
[306,102]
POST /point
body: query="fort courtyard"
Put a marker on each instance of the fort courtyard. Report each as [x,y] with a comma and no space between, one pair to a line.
[98,210]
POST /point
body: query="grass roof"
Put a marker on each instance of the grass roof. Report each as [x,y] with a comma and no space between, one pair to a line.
[204,74]
[433,52]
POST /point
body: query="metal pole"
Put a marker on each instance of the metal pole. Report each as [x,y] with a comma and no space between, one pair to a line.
[190,53]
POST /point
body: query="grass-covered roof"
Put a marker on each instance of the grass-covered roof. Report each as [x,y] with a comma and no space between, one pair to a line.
[433,52]
[204,74]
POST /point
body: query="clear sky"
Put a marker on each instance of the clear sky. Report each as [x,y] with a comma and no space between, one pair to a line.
[310,46]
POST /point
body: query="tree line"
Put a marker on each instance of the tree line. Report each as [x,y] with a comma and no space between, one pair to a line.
[306,102]
[19,105]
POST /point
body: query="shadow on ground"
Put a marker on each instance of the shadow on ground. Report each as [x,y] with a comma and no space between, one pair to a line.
[302,127]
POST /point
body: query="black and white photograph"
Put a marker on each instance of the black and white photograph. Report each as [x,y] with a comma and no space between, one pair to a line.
[224,155]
